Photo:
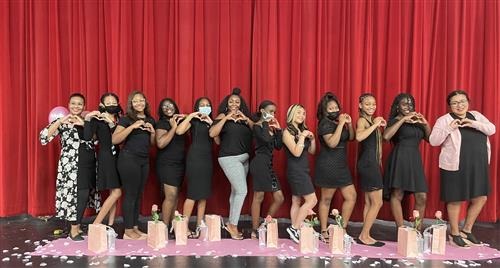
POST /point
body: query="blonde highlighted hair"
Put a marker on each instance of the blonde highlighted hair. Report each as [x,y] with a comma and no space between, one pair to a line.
[292,110]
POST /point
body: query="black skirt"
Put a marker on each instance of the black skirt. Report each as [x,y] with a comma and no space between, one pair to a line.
[170,172]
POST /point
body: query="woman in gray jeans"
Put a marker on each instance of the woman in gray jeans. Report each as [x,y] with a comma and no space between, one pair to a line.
[234,128]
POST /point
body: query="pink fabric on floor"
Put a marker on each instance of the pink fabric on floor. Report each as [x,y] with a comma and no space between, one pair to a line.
[249,247]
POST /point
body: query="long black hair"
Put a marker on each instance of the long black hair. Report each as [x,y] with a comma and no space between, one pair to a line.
[243,105]
[395,104]
[131,113]
[323,103]
[161,114]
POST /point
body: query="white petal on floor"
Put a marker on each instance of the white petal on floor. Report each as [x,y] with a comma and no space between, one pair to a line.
[126,265]
[43,264]
[15,248]
[29,264]
[5,250]
[27,241]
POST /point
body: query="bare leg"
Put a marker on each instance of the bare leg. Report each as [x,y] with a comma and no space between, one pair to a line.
[349,194]
[109,206]
[258,197]
[453,209]
[375,201]
[397,211]
[476,204]
[324,206]
[309,203]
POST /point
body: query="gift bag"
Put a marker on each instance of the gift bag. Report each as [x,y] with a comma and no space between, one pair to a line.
[438,239]
[156,234]
[97,238]
[407,242]
[214,226]
[180,227]
[272,234]
[336,239]
[306,241]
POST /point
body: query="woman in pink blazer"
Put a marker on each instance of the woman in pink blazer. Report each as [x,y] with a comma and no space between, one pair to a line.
[463,162]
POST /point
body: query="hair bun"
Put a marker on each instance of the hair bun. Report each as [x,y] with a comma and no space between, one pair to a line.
[236,91]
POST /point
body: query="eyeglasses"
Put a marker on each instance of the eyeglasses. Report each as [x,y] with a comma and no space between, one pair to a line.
[168,106]
[456,103]
[139,101]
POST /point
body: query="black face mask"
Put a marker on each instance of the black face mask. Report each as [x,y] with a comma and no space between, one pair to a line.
[333,115]
[111,109]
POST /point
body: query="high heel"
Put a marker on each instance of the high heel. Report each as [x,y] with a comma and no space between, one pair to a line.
[470,238]
[235,236]
[458,241]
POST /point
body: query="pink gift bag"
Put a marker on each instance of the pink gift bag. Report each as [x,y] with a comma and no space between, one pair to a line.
[336,239]
[156,234]
[214,226]
[97,238]
[272,234]
[438,239]
[180,227]
[407,242]
[306,241]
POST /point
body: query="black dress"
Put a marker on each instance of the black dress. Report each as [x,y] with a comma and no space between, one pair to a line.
[170,161]
[404,169]
[368,166]
[297,171]
[332,170]
[471,180]
[261,166]
[107,173]
[199,165]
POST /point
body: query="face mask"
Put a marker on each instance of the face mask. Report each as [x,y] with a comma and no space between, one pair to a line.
[333,115]
[206,110]
[267,116]
[112,109]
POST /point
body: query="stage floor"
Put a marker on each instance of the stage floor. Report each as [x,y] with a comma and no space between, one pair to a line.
[19,234]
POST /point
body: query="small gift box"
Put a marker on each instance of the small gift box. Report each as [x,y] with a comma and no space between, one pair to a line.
[156,234]
[336,239]
[180,226]
[97,238]
[272,232]
[407,242]
[214,226]
[306,241]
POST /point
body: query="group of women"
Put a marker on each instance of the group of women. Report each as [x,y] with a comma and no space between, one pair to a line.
[124,140]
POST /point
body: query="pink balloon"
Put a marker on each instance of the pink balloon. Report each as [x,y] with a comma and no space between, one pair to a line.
[57,113]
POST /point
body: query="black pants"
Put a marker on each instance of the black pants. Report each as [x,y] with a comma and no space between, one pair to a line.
[84,182]
[133,171]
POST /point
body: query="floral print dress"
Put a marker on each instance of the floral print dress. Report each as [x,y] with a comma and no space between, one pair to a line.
[67,170]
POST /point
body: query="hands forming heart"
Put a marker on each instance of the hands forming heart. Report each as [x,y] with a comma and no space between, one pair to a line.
[465,122]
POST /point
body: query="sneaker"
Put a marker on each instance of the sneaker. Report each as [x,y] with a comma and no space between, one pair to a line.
[294,234]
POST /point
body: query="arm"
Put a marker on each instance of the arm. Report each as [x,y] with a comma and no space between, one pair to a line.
[351,131]
[389,132]
[289,141]
[261,132]
[441,130]
[483,124]
[121,133]
[312,148]
[185,125]
[217,128]
[164,136]
[363,129]
[332,140]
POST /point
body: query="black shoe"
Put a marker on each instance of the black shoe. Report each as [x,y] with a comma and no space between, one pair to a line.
[76,238]
[294,234]
[469,237]
[458,241]
[376,244]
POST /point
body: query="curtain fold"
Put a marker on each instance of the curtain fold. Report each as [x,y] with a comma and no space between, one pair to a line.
[285,51]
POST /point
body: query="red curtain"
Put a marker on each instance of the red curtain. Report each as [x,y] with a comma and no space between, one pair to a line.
[287,51]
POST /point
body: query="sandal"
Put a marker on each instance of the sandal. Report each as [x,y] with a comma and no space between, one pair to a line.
[235,236]
[470,238]
[194,234]
[325,236]
[458,241]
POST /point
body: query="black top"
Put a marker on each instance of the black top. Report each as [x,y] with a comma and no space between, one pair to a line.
[327,126]
[235,138]
[138,141]
[265,142]
[200,138]
[86,153]
[103,132]
[174,151]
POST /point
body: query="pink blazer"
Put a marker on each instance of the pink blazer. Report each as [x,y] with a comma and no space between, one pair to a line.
[449,140]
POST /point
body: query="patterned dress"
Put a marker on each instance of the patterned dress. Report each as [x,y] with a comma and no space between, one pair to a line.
[67,170]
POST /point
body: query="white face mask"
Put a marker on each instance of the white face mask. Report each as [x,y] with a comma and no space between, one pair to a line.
[267,116]
[206,110]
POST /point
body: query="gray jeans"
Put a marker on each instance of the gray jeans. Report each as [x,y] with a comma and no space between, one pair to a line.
[236,170]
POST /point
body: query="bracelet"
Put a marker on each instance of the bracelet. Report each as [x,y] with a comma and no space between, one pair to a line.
[300,144]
